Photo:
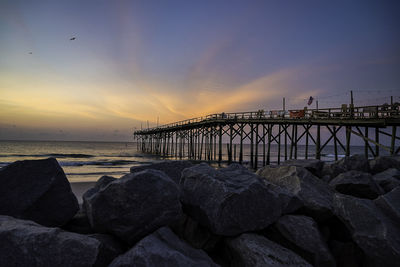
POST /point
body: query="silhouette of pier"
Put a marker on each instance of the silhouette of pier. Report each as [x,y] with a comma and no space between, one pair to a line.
[203,138]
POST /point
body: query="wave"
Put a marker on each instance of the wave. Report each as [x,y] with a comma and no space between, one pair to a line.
[54,155]
[333,155]
[93,173]
[97,163]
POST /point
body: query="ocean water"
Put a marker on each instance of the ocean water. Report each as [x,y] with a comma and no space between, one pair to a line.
[88,161]
[81,161]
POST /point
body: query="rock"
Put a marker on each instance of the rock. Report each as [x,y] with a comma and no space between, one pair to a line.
[289,202]
[376,235]
[315,166]
[79,224]
[354,162]
[314,194]
[251,250]
[37,190]
[163,248]
[110,248]
[134,205]
[347,254]
[389,204]
[172,168]
[330,171]
[26,243]
[303,232]
[357,184]
[195,234]
[228,201]
[380,164]
[100,184]
[388,179]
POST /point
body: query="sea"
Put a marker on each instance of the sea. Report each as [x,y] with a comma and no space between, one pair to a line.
[88,161]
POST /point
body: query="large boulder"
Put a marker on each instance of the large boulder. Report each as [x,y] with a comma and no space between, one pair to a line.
[251,250]
[79,224]
[100,184]
[389,204]
[357,184]
[37,190]
[375,233]
[380,164]
[347,254]
[197,235]
[315,166]
[110,247]
[289,202]
[172,168]
[228,201]
[26,243]
[315,195]
[134,205]
[355,162]
[388,179]
[303,233]
[163,248]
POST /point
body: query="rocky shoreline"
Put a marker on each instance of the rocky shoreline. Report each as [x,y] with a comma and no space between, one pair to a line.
[175,213]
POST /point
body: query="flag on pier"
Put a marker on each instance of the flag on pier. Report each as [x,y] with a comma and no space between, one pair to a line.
[310,100]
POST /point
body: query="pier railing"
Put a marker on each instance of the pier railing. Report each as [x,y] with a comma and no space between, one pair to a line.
[344,112]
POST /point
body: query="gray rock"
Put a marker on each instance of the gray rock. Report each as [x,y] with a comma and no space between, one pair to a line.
[388,179]
[37,190]
[228,201]
[351,163]
[357,184]
[315,166]
[134,205]
[163,248]
[373,232]
[347,254]
[251,250]
[355,162]
[289,202]
[380,164]
[389,204]
[26,243]
[303,232]
[101,183]
[330,171]
[315,195]
[110,248]
[79,224]
[172,168]
[195,234]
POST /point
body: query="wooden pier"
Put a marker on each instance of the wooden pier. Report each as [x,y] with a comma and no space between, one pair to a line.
[205,138]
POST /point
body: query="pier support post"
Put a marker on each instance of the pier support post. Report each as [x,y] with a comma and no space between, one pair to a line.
[366,142]
[220,143]
[377,141]
[393,140]
[318,143]
[348,135]
[279,144]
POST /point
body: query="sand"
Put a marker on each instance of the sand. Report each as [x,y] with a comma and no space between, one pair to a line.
[79,188]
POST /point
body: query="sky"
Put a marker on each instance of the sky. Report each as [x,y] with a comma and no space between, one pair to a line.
[139,62]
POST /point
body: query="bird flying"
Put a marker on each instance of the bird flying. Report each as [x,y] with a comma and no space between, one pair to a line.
[73,38]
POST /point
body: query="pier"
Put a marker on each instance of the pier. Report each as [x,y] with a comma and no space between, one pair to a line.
[205,138]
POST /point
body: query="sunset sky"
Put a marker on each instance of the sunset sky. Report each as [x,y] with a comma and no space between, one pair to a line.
[134,61]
